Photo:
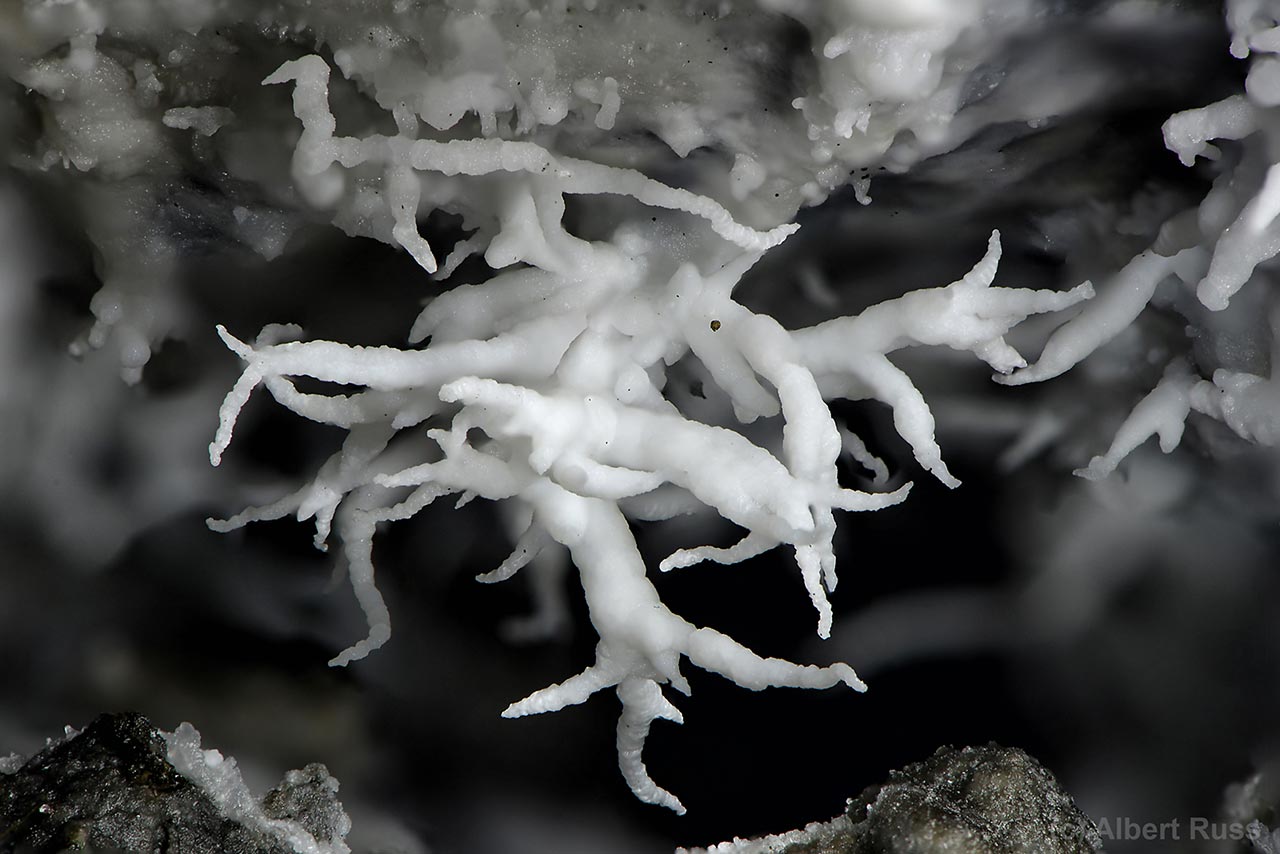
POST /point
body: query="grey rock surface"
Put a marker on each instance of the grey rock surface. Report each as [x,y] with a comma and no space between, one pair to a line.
[969,800]
[111,788]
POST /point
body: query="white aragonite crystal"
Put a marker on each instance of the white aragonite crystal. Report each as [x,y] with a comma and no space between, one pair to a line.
[1188,133]
[1213,251]
[218,777]
[1161,413]
[849,353]
[1117,305]
[552,377]
[319,152]
[1245,402]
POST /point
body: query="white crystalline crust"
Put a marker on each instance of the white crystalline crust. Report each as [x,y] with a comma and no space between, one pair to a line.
[813,833]
[118,78]
[551,378]
[219,778]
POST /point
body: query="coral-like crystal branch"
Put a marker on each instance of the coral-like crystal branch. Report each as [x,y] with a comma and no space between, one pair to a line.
[551,375]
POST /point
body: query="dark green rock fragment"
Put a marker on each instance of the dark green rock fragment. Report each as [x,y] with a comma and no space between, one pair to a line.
[111,789]
[971,800]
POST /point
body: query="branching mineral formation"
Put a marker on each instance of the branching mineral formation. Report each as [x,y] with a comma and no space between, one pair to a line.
[616,170]
[559,365]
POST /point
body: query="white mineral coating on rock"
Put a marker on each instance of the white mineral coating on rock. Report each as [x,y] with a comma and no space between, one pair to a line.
[971,800]
[114,787]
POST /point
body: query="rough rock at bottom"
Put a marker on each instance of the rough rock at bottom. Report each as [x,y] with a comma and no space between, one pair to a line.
[969,800]
[112,788]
